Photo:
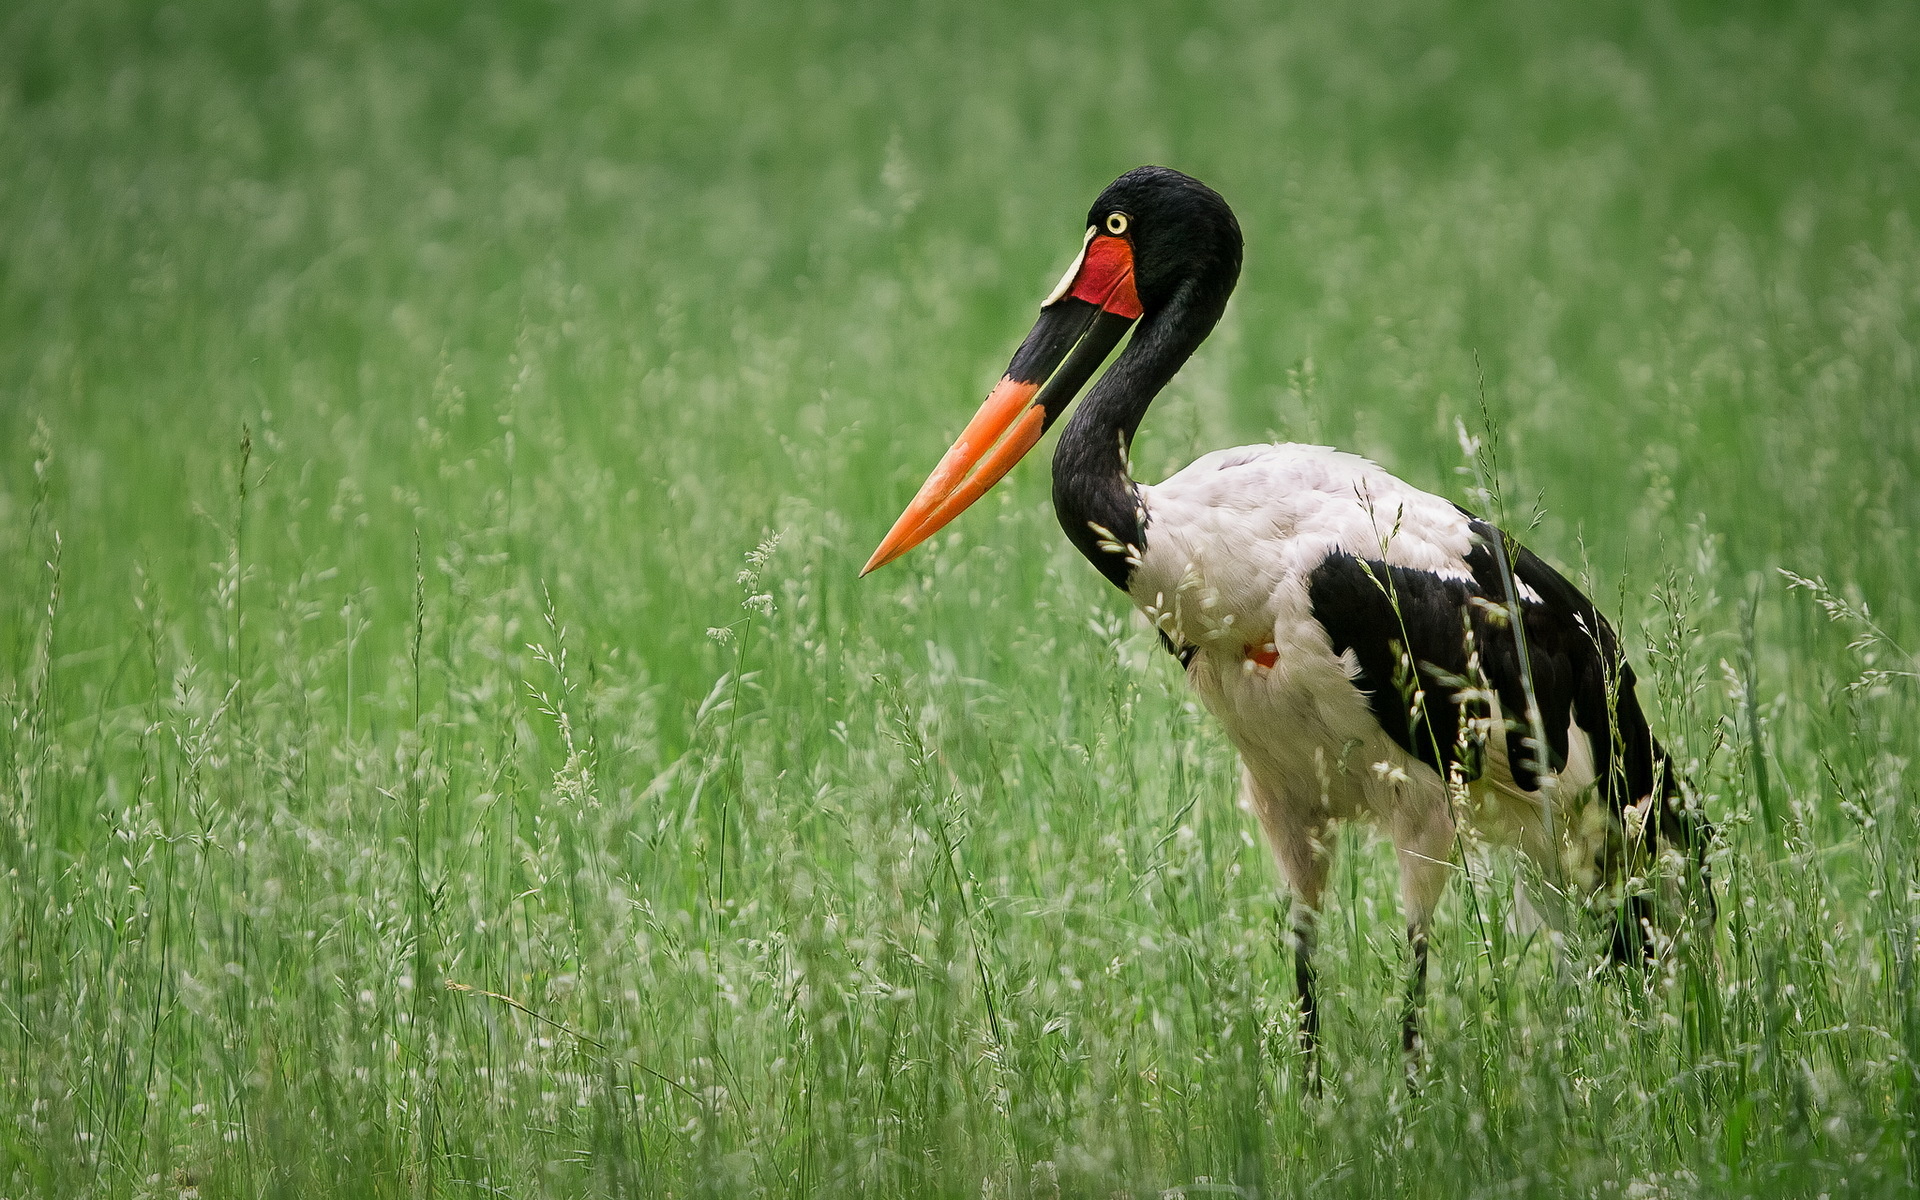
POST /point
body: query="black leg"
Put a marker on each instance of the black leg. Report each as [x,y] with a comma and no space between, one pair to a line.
[1410,1040]
[1309,1009]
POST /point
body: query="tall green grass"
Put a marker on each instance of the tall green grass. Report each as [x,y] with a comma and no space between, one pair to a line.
[446,749]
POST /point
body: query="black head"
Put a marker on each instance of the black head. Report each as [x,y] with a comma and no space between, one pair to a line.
[1181,231]
[1159,248]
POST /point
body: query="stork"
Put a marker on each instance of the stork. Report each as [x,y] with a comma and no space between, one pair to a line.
[1376,653]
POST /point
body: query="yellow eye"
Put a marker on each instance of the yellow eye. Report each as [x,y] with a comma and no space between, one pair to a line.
[1116,223]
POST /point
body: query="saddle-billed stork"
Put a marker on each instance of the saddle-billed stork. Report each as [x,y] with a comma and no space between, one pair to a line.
[1375,652]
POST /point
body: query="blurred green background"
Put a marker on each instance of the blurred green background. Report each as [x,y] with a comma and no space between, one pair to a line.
[391,396]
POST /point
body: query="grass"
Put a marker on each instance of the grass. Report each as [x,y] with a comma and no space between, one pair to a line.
[446,749]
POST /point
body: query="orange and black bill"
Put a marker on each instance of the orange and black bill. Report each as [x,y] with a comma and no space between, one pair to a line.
[1079,326]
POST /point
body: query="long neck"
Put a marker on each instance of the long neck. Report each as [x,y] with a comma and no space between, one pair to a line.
[1093,495]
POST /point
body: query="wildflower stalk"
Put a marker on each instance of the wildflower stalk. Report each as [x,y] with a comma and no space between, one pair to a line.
[757,604]
[1483,454]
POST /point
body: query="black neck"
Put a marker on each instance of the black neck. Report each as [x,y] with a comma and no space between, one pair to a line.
[1093,495]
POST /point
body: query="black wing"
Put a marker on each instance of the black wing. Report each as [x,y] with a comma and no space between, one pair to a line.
[1426,644]
[1423,639]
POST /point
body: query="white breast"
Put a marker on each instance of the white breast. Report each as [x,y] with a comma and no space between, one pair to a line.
[1232,538]
[1231,543]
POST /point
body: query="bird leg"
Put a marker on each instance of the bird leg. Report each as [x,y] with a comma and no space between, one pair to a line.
[1302,845]
[1410,1039]
[1306,925]
[1423,841]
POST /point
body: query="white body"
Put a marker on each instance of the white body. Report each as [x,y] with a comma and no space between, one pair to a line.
[1231,543]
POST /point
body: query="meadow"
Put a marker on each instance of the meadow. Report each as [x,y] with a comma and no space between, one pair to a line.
[445,748]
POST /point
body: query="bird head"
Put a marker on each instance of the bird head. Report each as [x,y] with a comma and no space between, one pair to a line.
[1154,239]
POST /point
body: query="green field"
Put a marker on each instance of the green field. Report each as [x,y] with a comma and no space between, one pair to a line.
[445,749]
